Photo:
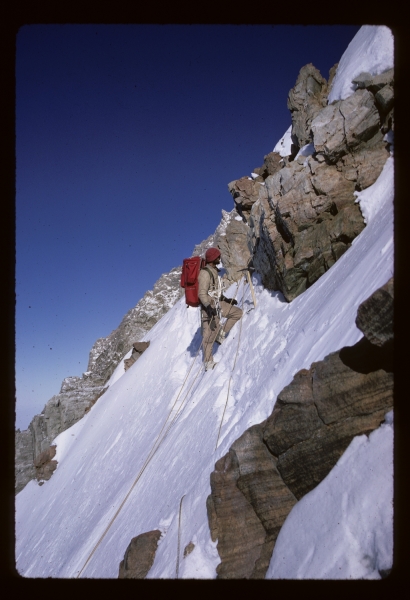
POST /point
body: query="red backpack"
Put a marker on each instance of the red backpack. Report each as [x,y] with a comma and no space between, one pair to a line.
[189,279]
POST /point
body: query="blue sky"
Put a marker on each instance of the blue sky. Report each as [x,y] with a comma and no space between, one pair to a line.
[126,139]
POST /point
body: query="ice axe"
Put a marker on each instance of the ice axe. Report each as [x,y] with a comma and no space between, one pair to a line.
[248,269]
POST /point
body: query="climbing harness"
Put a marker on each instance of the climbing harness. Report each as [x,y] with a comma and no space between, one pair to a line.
[179,536]
[230,379]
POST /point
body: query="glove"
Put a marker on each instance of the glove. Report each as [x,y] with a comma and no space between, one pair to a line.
[210,311]
[229,300]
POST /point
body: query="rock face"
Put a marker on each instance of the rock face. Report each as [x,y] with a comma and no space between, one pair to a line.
[25,469]
[274,464]
[305,100]
[139,556]
[302,216]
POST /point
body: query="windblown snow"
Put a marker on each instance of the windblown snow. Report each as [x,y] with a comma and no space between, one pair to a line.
[150,439]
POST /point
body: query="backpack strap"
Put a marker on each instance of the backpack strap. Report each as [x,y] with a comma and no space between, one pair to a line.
[211,274]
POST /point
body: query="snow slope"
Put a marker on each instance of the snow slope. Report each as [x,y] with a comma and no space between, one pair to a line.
[370,51]
[59,523]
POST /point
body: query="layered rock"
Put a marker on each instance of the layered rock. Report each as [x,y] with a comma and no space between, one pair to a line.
[274,464]
[303,216]
[139,556]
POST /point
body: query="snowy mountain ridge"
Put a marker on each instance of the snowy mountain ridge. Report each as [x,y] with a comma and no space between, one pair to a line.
[110,455]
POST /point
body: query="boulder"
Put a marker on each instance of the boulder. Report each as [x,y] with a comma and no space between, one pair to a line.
[139,556]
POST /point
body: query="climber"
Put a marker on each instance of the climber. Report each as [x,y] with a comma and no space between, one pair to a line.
[214,305]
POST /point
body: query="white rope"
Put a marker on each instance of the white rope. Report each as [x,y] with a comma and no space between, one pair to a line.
[230,379]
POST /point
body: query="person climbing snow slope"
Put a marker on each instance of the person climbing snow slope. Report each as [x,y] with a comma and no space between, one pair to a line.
[214,305]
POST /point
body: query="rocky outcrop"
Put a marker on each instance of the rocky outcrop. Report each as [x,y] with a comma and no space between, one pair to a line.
[45,465]
[24,458]
[304,216]
[137,349]
[274,464]
[305,100]
[139,556]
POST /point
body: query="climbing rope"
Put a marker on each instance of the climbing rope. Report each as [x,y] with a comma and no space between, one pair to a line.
[179,536]
[230,379]
[158,441]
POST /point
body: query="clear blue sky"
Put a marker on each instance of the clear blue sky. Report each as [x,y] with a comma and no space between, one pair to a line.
[126,139]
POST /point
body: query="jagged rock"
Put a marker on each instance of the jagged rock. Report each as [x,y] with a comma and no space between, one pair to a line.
[45,465]
[272,162]
[310,216]
[365,164]
[309,221]
[375,315]
[245,192]
[277,462]
[139,556]
[305,100]
[341,127]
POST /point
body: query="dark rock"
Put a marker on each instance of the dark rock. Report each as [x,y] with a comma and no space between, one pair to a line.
[139,556]
[295,417]
[306,464]
[241,535]
[375,315]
